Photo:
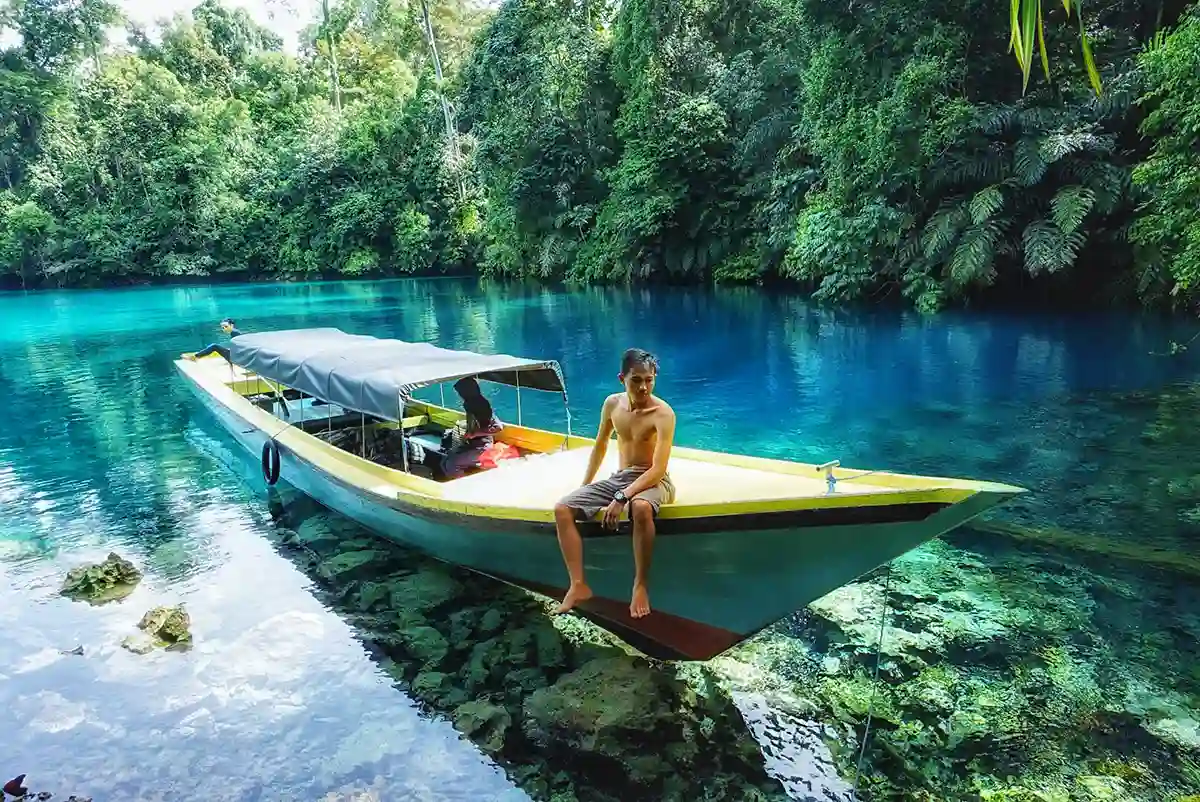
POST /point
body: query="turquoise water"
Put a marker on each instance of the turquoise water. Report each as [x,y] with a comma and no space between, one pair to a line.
[299,685]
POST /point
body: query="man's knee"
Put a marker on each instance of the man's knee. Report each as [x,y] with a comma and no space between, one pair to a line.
[563,513]
[641,511]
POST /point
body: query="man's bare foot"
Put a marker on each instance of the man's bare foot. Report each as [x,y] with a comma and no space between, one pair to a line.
[640,606]
[579,592]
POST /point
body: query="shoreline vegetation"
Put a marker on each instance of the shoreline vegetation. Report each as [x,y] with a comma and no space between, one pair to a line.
[857,153]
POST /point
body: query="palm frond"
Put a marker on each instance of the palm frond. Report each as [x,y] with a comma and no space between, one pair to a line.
[986,203]
[1028,165]
[943,228]
[974,259]
[1057,145]
[1048,249]
[1070,205]
[958,169]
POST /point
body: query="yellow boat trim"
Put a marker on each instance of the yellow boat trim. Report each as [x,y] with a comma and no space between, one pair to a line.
[396,485]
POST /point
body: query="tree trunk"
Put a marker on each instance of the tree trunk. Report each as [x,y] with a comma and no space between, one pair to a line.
[334,82]
[451,138]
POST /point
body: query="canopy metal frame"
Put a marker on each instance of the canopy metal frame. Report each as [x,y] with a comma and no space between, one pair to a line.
[359,373]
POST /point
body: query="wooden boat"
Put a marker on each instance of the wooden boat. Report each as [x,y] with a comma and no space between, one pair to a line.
[746,542]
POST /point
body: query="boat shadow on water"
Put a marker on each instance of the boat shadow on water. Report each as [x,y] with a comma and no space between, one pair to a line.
[565,714]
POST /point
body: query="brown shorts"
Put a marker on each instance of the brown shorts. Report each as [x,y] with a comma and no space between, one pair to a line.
[589,500]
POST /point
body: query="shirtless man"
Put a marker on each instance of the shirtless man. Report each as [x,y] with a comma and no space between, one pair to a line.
[645,427]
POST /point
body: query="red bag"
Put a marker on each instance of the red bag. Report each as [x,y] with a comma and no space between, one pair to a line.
[496,452]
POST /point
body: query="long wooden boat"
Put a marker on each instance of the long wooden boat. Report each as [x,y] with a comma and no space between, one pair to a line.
[746,542]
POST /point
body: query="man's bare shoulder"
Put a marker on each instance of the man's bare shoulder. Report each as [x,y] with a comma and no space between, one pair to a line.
[611,405]
[664,410]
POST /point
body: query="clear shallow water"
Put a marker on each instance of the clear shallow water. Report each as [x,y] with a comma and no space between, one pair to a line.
[285,694]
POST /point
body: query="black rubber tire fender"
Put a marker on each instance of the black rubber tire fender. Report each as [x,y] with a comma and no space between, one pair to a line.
[270,461]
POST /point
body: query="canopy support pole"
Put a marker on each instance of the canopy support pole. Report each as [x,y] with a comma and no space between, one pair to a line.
[287,413]
[519,399]
[362,433]
[442,392]
[403,444]
[567,409]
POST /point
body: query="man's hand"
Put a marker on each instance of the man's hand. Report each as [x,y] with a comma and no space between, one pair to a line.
[612,514]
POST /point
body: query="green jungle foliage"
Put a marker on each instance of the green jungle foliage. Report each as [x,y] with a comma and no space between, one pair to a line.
[858,150]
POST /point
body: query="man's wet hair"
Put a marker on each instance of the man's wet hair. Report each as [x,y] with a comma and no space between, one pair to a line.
[228,320]
[637,356]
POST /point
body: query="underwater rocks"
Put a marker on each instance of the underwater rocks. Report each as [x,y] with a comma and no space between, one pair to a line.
[110,580]
[166,627]
[488,659]
[1006,674]
[348,565]
[598,708]
[423,591]
[115,578]
[484,723]
[607,710]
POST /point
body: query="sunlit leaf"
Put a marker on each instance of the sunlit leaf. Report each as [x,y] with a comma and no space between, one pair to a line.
[1093,73]
[1029,16]
[1014,41]
[1042,47]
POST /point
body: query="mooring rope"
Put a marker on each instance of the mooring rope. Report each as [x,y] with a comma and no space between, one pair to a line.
[887,586]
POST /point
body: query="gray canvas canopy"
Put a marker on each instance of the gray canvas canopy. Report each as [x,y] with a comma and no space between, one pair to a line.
[374,375]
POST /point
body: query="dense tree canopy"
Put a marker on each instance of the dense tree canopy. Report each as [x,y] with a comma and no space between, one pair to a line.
[859,150]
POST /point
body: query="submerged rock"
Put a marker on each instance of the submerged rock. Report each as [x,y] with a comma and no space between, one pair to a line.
[484,723]
[350,565]
[171,624]
[599,708]
[426,644]
[164,627]
[437,689]
[423,591]
[110,580]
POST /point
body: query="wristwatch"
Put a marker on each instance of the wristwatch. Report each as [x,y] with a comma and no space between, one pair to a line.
[620,496]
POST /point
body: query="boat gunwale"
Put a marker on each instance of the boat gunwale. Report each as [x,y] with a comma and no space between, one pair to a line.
[416,495]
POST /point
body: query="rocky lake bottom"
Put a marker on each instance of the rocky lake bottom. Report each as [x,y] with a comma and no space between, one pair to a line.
[1008,672]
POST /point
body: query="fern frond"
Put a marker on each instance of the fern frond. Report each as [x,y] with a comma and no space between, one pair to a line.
[910,251]
[998,120]
[974,258]
[1070,205]
[1048,249]
[1039,119]
[943,228]
[986,203]
[1054,146]
[958,169]
[1028,165]
[1111,183]
[1113,103]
